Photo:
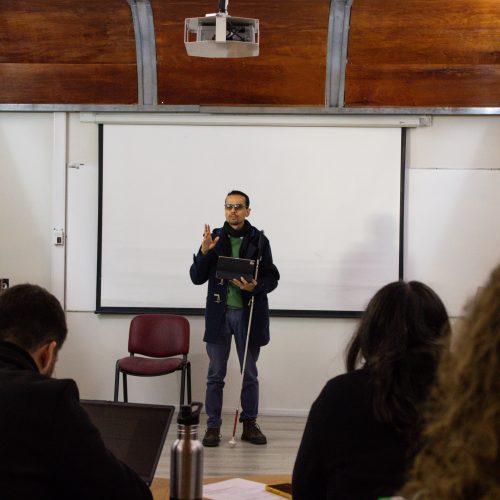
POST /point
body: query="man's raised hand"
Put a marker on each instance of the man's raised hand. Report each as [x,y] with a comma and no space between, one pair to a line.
[208,242]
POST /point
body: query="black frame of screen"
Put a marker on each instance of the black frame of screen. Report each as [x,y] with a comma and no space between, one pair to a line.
[195,311]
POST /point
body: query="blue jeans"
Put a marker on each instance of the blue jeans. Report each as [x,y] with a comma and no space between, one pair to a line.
[218,354]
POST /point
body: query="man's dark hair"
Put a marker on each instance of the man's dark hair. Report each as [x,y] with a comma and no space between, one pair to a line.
[240,193]
[30,316]
[400,338]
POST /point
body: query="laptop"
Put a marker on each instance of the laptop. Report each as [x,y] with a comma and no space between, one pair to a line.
[134,433]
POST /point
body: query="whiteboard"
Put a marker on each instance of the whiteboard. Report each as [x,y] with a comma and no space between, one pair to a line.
[328,199]
[453,240]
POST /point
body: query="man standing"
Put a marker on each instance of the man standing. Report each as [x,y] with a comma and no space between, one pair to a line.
[227,313]
[49,447]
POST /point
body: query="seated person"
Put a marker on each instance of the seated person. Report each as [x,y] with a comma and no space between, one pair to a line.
[49,447]
[364,426]
[460,455]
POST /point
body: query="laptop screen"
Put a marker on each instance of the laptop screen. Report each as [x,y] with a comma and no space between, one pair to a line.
[134,433]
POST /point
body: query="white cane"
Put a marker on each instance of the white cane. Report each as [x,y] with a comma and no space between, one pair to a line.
[232,441]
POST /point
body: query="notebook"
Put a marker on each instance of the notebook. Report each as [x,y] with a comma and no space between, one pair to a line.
[134,433]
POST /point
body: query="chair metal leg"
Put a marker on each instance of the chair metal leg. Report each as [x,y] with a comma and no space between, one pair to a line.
[183,384]
[125,392]
[117,381]
[189,382]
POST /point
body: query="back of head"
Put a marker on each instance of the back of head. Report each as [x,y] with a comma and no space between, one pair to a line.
[400,338]
[30,316]
[461,453]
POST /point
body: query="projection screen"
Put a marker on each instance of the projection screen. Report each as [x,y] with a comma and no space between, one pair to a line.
[328,198]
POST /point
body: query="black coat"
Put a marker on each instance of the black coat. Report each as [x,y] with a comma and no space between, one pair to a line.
[49,449]
[203,270]
[346,453]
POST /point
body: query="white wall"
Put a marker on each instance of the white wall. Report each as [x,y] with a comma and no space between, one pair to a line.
[25,197]
[453,206]
[471,142]
[303,353]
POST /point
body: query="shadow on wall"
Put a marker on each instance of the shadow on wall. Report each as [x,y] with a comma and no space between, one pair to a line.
[361,271]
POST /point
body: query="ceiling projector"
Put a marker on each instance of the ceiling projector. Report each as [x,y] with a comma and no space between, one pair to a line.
[221,35]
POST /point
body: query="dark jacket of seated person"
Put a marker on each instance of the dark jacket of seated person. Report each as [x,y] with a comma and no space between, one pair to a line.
[363,429]
[49,449]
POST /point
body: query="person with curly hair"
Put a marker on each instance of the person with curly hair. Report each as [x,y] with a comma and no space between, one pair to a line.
[363,429]
[460,456]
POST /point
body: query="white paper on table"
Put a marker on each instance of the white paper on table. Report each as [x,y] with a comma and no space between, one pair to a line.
[237,489]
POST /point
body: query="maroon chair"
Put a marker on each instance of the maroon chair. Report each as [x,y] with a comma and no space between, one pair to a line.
[164,339]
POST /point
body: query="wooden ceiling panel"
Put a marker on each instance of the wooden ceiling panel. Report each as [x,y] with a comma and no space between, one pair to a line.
[63,51]
[68,83]
[290,70]
[424,86]
[424,53]
[412,53]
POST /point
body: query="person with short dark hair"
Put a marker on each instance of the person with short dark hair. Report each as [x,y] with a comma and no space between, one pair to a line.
[228,309]
[460,454]
[49,449]
[364,427]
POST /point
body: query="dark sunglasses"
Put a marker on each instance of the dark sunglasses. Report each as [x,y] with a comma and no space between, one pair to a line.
[236,206]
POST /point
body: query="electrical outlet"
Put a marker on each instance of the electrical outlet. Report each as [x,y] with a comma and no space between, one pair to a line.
[58,235]
[4,283]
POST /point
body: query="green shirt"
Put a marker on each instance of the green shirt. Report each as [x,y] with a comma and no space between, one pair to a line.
[234,299]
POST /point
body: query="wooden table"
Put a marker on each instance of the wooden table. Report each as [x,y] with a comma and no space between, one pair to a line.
[160,486]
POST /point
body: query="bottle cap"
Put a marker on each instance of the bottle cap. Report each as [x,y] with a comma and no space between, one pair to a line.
[190,414]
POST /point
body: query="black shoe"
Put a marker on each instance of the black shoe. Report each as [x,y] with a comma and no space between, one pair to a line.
[252,432]
[212,437]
